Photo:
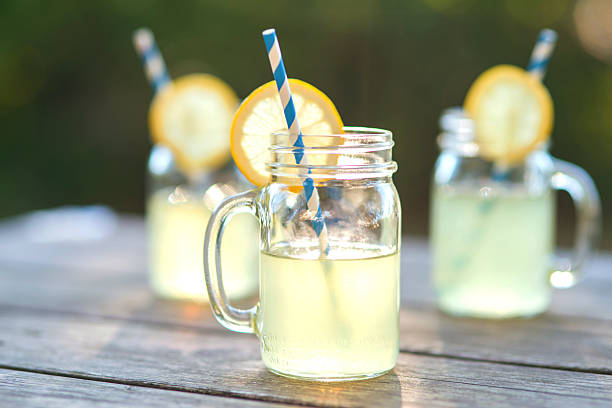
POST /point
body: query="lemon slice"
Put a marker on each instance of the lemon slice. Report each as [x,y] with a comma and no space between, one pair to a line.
[512,113]
[261,114]
[192,116]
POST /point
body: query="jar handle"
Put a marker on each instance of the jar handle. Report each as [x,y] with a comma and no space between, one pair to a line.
[581,188]
[239,320]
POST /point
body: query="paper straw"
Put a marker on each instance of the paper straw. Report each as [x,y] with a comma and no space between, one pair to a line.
[295,134]
[151,58]
[542,51]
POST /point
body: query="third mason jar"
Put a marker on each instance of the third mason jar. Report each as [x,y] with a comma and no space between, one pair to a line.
[492,227]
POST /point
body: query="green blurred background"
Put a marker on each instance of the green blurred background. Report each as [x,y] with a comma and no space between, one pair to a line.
[74,99]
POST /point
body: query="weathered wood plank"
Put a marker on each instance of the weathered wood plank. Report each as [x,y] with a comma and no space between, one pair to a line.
[201,360]
[114,290]
[123,250]
[548,340]
[75,275]
[579,343]
[119,295]
[27,389]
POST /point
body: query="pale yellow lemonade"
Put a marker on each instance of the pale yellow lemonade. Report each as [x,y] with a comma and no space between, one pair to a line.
[492,255]
[176,241]
[329,318]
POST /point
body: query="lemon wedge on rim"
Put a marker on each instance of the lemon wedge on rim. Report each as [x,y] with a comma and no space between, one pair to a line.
[512,113]
[192,116]
[261,114]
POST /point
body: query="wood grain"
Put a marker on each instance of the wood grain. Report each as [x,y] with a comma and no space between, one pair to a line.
[220,362]
[550,340]
[547,341]
[85,276]
[122,250]
[79,316]
[19,389]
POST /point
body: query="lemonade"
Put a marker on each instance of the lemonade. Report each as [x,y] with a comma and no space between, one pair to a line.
[492,255]
[177,225]
[329,318]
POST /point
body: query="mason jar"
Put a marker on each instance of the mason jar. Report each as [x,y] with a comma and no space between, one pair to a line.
[493,226]
[177,210]
[329,260]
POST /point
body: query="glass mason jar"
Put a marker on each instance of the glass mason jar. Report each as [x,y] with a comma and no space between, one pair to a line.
[177,209]
[492,227]
[325,312]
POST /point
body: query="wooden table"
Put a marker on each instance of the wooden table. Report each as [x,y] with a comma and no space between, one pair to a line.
[79,327]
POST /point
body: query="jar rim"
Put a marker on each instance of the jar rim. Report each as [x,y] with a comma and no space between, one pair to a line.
[353,137]
[359,152]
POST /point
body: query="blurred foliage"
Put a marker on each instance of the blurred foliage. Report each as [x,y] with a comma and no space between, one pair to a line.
[73,97]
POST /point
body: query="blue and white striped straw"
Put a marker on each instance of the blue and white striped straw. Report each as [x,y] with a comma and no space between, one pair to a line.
[542,51]
[295,134]
[151,58]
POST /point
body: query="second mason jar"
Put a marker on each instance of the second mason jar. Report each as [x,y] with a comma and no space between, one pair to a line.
[328,310]
[178,205]
[492,226]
